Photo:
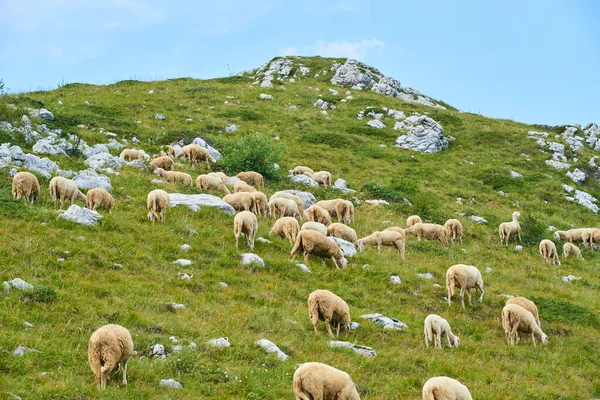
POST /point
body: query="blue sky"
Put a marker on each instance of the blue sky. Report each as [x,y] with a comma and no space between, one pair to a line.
[528,60]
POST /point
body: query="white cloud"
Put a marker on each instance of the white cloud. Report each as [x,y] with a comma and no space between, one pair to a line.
[338,48]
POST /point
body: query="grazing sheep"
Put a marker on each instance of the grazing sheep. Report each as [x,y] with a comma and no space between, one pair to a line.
[326,306]
[528,305]
[438,326]
[196,154]
[316,381]
[385,238]
[516,319]
[318,214]
[321,177]
[464,277]
[109,348]
[281,207]
[413,219]
[131,154]
[340,208]
[314,226]
[342,231]
[241,201]
[163,162]
[290,196]
[286,227]
[444,388]
[548,252]
[157,203]
[25,185]
[313,242]
[260,204]
[301,170]
[245,222]
[506,229]
[428,231]
[252,178]
[99,198]
[173,152]
[570,248]
[219,175]
[578,235]
[210,182]
[454,231]
[174,176]
[63,188]
[242,186]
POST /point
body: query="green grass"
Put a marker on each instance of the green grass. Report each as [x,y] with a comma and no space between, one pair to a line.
[75,296]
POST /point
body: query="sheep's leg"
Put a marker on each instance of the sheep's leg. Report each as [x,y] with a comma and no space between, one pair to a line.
[448,337]
[438,339]
[519,236]
[379,247]
[507,237]
[469,296]
[335,263]
[328,325]
[339,325]
[124,374]
[306,257]
[462,297]
[482,293]
[533,338]
[513,334]
[236,243]
[426,341]
[403,245]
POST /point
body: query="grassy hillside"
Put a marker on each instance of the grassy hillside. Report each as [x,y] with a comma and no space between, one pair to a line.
[121,270]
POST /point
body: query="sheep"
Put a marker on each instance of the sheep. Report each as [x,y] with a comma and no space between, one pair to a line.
[109,348]
[300,170]
[172,151]
[465,277]
[63,188]
[157,202]
[245,222]
[594,236]
[313,242]
[252,178]
[283,207]
[385,238]
[131,154]
[548,252]
[241,201]
[316,381]
[326,306]
[438,326]
[444,388]
[528,305]
[428,231]
[174,176]
[454,231]
[219,175]
[196,154]
[242,186]
[163,162]
[584,235]
[516,319]
[321,177]
[99,198]
[25,185]
[315,226]
[210,182]
[506,229]
[259,203]
[413,219]
[570,248]
[286,227]
[318,214]
[342,231]
[340,208]
[290,196]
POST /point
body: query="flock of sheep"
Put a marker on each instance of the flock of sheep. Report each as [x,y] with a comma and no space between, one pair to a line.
[111,346]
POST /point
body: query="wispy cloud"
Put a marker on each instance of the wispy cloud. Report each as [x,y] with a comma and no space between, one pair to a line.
[338,48]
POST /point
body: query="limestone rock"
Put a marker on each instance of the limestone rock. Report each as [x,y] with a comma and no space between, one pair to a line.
[81,215]
[194,201]
[251,258]
[347,248]
[271,347]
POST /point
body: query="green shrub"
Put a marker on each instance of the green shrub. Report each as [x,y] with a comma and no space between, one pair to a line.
[562,311]
[382,192]
[330,139]
[532,230]
[254,152]
[40,294]
[233,79]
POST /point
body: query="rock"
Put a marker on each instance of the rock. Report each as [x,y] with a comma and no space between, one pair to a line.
[224,284]
[177,348]
[20,284]
[22,350]
[576,176]
[570,278]
[375,123]
[592,136]
[488,270]
[538,134]
[271,347]
[479,220]
[96,149]
[6,286]
[231,128]
[177,306]
[518,248]
[362,350]
[307,198]
[185,276]
[427,275]
[185,247]
[377,202]
[104,160]
[251,258]
[159,181]
[89,179]
[182,261]
[46,115]
[353,74]
[304,179]
[264,96]
[214,153]
[304,268]
[575,142]
[275,165]
[395,279]
[43,166]
[48,146]
[220,342]
[424,135]
[232,180]
[194,201]
[515,174]
[558,164]
[263,240]
[170,383]
[81,215]
[387,86]
[347,248]
[386,322]
[340,184]
[586,200]
[159,116]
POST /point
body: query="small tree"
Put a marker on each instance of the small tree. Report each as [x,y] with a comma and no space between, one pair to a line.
[254,152]
[2,86]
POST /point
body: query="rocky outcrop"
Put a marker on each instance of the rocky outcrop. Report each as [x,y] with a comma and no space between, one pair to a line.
[424,135]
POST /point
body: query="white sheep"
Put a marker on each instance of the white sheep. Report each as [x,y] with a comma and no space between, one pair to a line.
[454,231]
[290,196]
[342,231]
[570,248]
[318,214]
[109,348]
[219,175]
[428,231]
[578,235]
[300,170]
[260,204]
[321,177]
[548,252]
[245,222]
[315,226]
[286,227]
[157,202]
[25,185]
[528,305]
[326,306]
[196,154]
[464,277]
[252,178]
[444,388]
[211,182]
[506,229]
[62,189]
[131,154]
[242,201]
[174,176]
[316,381]
[413,219]
[313,242]
[164,162]
[99,198]
[383,238]
[340,208]
[282,207]
[242,186]
[435,328]
[516,319]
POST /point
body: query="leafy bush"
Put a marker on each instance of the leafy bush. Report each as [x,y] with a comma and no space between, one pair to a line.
[254,152]
[330,139]
[499,180]
[382,192]
[40,294]
[562,311]
[532,230]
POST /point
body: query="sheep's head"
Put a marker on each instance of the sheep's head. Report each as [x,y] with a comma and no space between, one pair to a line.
[158,171]
[516,215]
[556,235]
[361,245]
[456,341]
[343,262]
[150,216]
[544,338]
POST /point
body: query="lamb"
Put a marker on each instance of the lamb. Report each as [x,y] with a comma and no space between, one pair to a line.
[428,231]
[283,207]
[313,242]
[454,231]
[99,198]
[174,176]
[506,229]
[548,252]
[301,170]
[63,188]
[516,319]
[385,238]
[315,226]
[318,214]
[242,186]
[210,182]
[157,203]
[342,231]
[465,277]
[570,248]
[109,348]
[340,208]
[413,219]
[131,154]
[163,162]
[326,306]
[219,175]
[528,305]
[321,177]
[25,185]
[259,203]
[241,201]
[196,154]
[252,178]
[438,326]
[286,227]
[316,381]
[579,235]
[444,388]
[245,222]
[290,196]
